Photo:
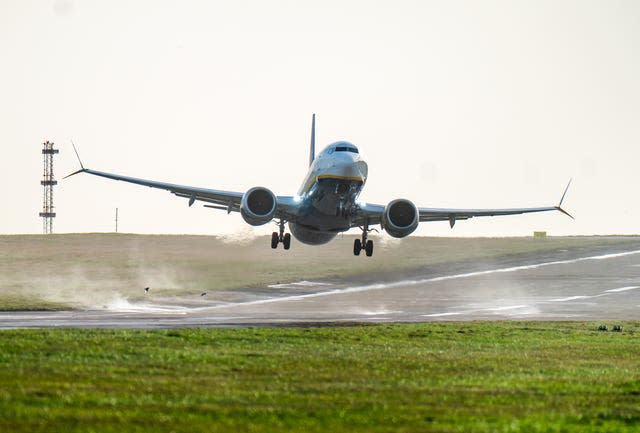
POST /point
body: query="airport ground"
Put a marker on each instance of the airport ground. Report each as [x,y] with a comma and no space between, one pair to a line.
[111,271]
[505,335]
[100,280]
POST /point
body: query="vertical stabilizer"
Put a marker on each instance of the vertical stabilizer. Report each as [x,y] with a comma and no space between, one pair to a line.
[312,150]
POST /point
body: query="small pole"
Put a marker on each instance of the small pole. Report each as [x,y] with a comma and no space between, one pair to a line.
[116,220]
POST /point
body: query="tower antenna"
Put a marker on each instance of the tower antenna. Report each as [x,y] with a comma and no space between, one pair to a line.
[48,182]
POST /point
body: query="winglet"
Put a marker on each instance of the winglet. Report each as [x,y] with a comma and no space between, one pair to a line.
[312,149]
[559,207]
[82,169]
[77,155]
[565,192]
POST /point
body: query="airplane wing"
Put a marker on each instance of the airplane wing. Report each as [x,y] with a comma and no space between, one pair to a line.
[372,213]
[216,199]
[453,215]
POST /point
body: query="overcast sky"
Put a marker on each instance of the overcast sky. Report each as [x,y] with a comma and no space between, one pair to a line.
[451,103]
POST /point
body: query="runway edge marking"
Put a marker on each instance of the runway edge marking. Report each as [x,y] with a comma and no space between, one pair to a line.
[380,286]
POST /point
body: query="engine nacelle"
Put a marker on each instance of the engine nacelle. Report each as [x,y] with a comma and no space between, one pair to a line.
[400,218]
[258,206]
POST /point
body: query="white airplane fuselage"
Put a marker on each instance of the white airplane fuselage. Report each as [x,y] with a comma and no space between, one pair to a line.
[329,193]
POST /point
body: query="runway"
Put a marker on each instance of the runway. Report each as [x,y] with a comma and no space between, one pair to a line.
[599,283]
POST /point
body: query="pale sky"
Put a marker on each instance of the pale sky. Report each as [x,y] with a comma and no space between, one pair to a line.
[451,103]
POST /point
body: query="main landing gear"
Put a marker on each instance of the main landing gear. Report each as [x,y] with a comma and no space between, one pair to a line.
[364,244]
[281,236]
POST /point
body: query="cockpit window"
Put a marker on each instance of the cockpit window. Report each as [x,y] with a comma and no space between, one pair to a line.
[346,149]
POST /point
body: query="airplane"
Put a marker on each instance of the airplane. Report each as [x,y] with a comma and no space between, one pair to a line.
[326,204]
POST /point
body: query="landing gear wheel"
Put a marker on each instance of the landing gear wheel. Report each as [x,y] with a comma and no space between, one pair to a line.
[364,244]
[281,236]
[369,248]
[357,247]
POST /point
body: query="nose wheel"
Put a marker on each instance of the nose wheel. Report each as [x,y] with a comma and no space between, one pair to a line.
[281,236]
[363,244]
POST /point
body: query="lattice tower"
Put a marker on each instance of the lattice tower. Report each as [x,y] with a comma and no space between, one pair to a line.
[48,182]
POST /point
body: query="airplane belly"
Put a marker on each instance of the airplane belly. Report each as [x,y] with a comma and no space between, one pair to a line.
[310,236]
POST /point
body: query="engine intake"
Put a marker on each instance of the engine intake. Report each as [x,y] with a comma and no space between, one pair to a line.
[258,206]
[400,218]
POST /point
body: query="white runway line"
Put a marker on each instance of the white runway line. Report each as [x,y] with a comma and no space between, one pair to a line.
[622,289]
[298,284]
[605,293]
[122,305]
[512,307]
[573,298]
[369,312]
[610,256]
[452,313]
[150,308]
[493,310]
[403,283]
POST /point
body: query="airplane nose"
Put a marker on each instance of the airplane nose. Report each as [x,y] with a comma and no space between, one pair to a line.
[349,167]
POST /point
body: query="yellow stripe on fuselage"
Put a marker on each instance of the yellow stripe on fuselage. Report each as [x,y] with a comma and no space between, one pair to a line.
[309,184]
[336,177]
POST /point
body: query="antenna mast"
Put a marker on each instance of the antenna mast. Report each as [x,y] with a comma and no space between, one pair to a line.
[48,183]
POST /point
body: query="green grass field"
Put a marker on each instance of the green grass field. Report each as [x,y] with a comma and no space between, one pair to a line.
[453,377]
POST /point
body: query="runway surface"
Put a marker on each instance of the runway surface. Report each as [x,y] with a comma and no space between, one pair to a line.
[600,283]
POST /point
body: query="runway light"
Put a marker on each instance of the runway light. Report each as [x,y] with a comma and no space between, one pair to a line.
[617,328]
[602,328]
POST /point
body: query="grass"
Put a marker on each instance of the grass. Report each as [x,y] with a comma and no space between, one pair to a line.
[84,270]
[450,377]
[17,302]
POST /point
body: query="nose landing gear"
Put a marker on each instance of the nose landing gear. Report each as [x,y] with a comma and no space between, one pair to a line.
[281,236]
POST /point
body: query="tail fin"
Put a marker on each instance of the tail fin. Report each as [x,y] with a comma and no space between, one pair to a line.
[312,150]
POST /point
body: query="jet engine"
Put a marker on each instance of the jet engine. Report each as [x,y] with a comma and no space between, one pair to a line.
[400,218]
[258,206]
